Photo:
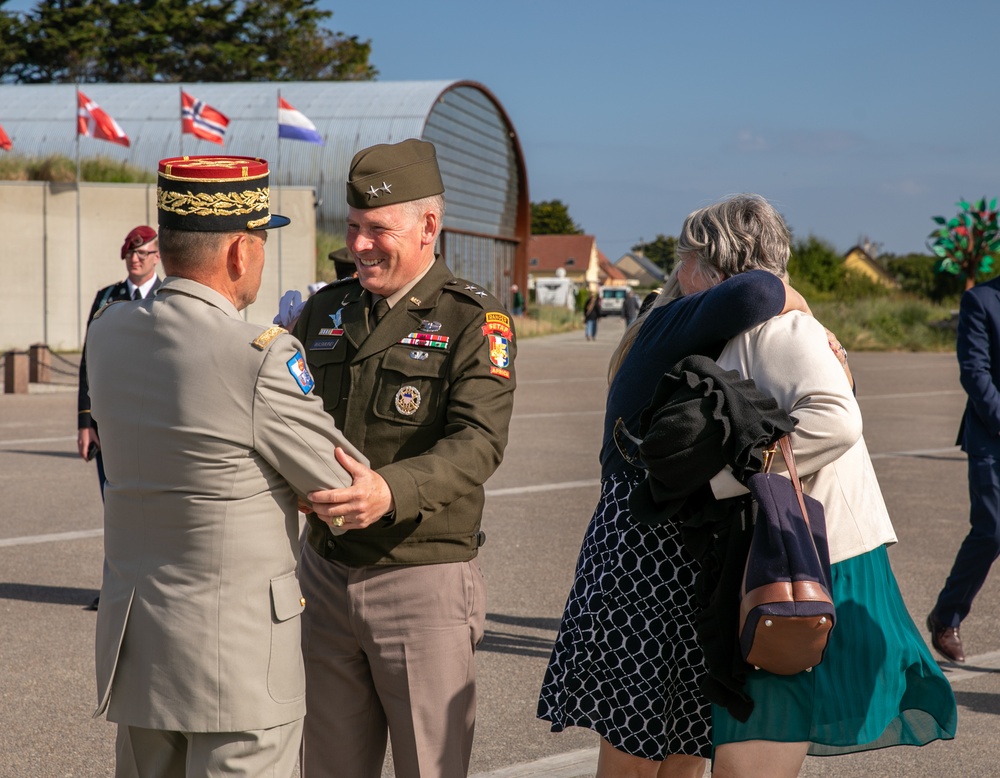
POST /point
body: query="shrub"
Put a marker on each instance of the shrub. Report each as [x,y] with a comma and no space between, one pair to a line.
[899,323]
[61,169]
[325,243]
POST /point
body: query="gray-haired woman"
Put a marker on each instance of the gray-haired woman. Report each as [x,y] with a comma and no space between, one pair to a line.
[626,663]
[878,685]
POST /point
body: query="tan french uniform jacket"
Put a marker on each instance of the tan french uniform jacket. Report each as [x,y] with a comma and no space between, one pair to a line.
[209,430]
[427,397]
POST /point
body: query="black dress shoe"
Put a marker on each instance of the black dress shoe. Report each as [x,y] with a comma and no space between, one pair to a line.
[94,604]
[946,640]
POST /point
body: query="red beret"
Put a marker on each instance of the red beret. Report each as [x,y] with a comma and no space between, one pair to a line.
[138,237]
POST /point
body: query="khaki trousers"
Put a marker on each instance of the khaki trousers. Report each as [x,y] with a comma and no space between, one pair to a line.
[390,648]
[156,753]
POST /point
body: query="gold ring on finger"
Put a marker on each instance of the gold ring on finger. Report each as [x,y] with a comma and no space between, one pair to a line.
[338,521]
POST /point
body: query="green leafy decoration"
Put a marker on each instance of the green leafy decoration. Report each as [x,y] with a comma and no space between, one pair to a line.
[967,243]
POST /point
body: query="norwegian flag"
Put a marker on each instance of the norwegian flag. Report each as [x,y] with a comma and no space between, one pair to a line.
[202,120]
[95,123]
[5,143]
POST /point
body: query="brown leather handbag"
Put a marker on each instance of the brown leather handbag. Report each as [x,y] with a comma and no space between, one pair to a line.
[786,607]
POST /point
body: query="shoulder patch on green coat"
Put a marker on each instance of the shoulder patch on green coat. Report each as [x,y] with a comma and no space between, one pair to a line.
[472,291]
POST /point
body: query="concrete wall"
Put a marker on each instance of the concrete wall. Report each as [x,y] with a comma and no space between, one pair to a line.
[47,286]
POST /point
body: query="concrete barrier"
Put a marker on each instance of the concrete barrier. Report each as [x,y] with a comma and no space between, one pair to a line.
[39,364]
[62,244]
[15,372]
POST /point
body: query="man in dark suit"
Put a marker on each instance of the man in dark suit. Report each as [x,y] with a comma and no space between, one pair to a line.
[979,363]
[141,252]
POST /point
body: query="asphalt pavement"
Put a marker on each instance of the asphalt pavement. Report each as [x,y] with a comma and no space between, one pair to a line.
[538,505]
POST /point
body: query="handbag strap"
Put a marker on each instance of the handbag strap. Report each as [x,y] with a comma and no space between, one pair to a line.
[786,452]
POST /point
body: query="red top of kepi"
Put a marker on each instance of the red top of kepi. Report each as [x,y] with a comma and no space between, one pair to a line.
[215,193]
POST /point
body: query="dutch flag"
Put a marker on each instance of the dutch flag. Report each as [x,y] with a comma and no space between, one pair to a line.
[294,125]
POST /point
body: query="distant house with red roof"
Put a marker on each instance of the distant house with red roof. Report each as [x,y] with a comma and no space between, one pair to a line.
[577,255]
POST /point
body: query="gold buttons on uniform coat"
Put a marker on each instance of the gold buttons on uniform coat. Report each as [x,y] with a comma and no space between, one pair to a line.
[302,601]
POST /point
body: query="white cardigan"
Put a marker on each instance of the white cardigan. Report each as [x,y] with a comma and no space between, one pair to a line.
[789,358]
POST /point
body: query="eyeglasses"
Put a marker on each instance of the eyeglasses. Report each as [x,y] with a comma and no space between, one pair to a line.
[144,254]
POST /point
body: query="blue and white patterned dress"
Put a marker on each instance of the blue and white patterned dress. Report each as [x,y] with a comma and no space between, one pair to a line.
[626,662]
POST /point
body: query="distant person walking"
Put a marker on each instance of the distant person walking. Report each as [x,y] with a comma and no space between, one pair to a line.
[979,367]
[591,315]
[630,307]
[516,300]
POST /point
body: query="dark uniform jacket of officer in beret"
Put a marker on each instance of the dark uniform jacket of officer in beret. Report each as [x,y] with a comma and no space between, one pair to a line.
[427,397]
[109,294]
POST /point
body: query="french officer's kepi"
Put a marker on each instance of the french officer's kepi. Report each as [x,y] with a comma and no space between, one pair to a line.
[391,173]
[215,194]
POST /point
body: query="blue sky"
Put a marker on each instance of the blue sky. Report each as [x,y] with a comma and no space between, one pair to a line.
[856,118]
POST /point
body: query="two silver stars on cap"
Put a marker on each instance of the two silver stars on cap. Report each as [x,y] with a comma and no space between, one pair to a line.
[373,192]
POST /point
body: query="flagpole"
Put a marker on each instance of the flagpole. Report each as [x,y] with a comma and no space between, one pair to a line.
[180,138]
[280,255]
[79,263]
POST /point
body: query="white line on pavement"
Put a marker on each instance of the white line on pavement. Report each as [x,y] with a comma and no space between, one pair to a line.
[919,452]
[29,441]
[573,764]
[902,395]
[515,490]
[974,666]
[519,416]
[28,540]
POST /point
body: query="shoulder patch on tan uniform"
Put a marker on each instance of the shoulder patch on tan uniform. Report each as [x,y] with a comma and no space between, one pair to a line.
[263,340]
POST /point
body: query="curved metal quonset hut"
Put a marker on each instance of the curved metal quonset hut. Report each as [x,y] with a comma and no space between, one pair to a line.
[487,221]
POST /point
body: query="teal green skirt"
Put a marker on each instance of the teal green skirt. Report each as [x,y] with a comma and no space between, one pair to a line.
[877,685]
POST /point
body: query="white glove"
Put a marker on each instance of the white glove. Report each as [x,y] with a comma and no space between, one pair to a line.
[289,307]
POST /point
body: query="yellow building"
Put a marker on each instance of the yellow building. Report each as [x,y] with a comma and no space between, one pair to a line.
[860,261]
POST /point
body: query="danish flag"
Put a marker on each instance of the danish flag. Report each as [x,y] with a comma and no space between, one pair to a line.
[95,123]
[202,120]
[5,143]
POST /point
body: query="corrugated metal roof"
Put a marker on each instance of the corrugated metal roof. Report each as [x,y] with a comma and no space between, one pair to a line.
[476,146]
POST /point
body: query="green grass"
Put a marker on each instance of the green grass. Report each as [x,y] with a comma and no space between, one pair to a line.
[62,170]
[888,324]
[325,243]
[547,320]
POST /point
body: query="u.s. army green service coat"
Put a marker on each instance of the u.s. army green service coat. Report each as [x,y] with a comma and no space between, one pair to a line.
[427,397]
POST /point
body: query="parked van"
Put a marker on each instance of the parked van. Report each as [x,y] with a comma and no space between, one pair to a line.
[612,300]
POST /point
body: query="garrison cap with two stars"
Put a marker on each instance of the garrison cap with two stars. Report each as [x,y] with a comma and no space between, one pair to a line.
[215,194]
[392,173]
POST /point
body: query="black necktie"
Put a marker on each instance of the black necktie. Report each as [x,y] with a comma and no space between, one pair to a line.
[379,311]
[137,295]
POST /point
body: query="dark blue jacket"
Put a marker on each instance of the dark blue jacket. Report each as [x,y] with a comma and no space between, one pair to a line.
[979,363]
